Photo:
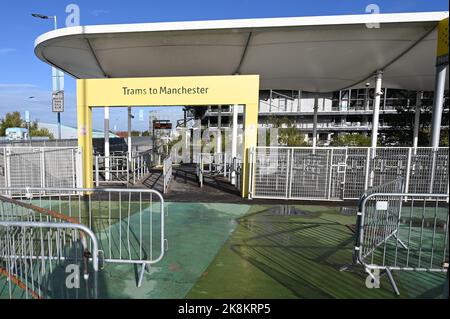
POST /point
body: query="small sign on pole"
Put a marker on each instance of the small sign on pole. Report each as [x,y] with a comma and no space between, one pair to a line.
[27,116]
[58,102]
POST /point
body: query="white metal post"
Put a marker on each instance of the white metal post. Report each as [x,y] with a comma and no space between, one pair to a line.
[366,175]
[376,110]
[417,119]
[408,170]
[316,108]
[129,134]
[438,104]
[219,131]
[96,171]
[234,140]
[107,162]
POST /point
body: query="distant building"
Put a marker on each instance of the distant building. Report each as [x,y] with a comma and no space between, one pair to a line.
[341,112]
[16,133]
[69,132]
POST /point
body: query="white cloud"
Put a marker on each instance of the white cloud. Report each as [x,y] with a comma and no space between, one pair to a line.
[5,51]
[17,97]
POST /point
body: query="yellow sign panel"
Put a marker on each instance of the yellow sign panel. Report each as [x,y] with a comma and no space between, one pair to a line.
[166,91]
[442,47]
[196,90]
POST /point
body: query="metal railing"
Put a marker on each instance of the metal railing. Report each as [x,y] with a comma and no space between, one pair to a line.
[111,169]
[403,232]
[129,223]
[37,245]
[337,173]
[167,173]
[141,162]
[40,167]
[119,168]
[219,164]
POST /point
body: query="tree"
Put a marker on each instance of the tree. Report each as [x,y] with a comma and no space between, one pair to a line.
[10,120]
[14,120]
[288,133]
[351,140]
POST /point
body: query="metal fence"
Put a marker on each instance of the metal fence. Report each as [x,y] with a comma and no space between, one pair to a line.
[36,247]
[129,223]
[337,173]
[40,167]
[403,231]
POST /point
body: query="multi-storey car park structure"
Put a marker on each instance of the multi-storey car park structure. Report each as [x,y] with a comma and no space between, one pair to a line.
[341,112]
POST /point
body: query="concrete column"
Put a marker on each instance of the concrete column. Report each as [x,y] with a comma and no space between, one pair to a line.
[234,139]
[129,134]
[107,160]
[417,118]
[438,104]
[376,108]
[316,108]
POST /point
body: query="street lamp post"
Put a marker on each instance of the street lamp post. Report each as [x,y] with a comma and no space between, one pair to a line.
[27,119]
[56,74]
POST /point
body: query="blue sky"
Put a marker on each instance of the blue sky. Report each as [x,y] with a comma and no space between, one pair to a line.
[22,75]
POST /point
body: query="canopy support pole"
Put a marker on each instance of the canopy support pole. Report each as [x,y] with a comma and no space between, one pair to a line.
[417,119]
[316,108]
[376,110]
[438,104]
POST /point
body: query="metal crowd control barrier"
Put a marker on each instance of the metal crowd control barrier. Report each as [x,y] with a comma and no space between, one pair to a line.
[403,232]
[337,173]
[36,247]
[129,223]
[167,173]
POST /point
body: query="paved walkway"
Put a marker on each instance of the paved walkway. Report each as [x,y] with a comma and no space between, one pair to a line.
[184,186]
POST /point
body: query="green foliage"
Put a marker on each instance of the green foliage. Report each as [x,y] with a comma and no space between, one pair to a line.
[14,120]
[288,134]
[10,120]
[351,140]
[444,138]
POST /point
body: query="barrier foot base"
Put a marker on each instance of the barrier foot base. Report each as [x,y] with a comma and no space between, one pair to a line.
[141,275]
[392,281]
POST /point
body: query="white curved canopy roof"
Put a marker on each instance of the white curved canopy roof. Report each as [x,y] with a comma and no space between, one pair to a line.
[317,54]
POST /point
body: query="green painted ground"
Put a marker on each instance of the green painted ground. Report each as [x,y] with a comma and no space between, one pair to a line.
[242,251]
[196,232]
[298,257]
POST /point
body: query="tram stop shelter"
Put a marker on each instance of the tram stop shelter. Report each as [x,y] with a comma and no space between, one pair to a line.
[229,61]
